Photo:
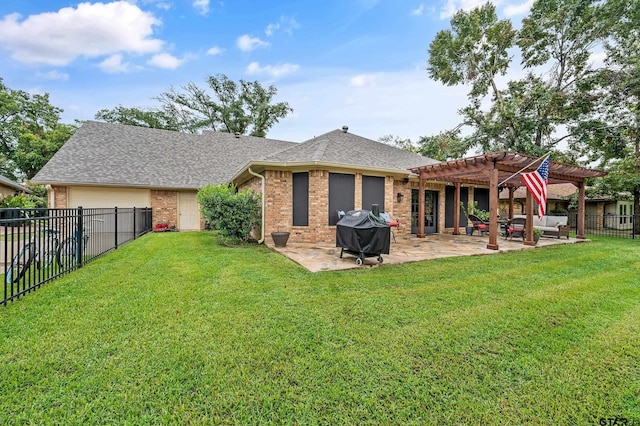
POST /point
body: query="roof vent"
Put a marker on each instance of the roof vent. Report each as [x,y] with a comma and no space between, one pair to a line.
[237,135]
[345,129]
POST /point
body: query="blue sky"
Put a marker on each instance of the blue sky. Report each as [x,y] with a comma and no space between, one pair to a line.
[360,63]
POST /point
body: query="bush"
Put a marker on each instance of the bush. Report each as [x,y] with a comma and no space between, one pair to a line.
[232,214]
[19,201]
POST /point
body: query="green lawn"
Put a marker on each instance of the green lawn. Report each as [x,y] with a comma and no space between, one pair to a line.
[175,328]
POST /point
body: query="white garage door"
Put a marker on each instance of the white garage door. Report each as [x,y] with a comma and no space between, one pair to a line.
[189,211]
[100,197]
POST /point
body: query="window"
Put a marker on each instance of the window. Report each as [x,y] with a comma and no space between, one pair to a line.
[341,194]
[301,199]
[372,192]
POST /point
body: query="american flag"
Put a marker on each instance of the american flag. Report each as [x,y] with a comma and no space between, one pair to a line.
[537,184]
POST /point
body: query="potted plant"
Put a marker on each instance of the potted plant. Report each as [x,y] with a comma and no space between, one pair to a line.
[537,233]
[468,209]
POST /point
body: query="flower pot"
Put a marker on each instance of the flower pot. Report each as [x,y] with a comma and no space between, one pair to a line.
[280,238]
[469,230]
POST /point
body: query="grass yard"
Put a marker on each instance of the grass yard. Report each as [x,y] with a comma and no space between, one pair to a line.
[175,328]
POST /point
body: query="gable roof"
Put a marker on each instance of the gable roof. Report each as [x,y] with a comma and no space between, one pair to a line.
[341,147]
[107,154]
[120,155]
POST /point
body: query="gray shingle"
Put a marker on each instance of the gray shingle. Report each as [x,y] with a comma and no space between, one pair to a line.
[347,148]
[114,154]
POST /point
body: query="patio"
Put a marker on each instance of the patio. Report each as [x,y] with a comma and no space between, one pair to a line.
[326,257]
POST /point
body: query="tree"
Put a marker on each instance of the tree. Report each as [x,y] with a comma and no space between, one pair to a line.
[398,142]
[34,150]
[528,114]
[443,146]
[244,107]
[612,134]
[27,121]
[139,117]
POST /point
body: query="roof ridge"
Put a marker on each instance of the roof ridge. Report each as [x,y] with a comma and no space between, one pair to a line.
[320,150]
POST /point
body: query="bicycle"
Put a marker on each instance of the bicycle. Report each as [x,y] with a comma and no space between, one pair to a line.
[68,251]
[33,250]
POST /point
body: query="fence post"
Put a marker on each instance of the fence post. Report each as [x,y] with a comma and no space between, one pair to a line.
[80,239]
[134,223]
[115,225]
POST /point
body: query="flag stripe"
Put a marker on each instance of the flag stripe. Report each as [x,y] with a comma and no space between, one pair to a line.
[536,182]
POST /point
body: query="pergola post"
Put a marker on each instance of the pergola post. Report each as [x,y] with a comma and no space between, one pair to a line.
[511,191]
[493,210]
[529,225]
[580,233]
[456,211]
[421,208]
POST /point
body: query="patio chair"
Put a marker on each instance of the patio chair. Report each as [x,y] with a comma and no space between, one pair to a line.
[516,228]
[391,223]
[481,225]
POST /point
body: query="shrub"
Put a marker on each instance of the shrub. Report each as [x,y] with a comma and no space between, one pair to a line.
[232,214]
[20,201]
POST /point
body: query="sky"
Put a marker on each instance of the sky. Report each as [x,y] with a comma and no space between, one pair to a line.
[360,63]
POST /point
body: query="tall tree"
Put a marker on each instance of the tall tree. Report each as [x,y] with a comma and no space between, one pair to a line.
[139,117]
[529,114]
[612,135]
[244,107]
[27,118]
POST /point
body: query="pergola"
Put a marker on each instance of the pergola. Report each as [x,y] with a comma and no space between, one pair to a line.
[501,170]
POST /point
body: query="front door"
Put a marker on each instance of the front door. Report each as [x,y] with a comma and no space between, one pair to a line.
[430,211]
[189,212]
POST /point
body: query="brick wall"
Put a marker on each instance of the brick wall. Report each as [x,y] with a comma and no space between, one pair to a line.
[60,196]
[165,207]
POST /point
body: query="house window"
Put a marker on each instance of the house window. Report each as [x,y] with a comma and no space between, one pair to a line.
[301,199]
[372,192]
[341,194]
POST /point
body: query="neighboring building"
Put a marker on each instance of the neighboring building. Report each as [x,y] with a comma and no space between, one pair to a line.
[9,187]
[558,199]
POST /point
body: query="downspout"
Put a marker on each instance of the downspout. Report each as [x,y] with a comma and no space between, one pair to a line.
[261,240]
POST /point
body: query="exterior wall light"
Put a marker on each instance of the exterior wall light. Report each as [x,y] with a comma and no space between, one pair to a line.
[400,197]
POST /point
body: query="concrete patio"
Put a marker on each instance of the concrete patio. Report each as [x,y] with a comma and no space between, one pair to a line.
[326,257]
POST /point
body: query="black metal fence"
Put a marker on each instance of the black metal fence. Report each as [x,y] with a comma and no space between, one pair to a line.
[608,225]
[38,245]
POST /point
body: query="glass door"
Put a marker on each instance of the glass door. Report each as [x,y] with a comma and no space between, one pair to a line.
[430,211]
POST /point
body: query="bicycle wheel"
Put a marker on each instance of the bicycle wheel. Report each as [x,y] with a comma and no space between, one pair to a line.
[66,256]
[50,251]
[19,264]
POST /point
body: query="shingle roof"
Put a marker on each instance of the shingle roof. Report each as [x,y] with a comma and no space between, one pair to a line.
[114,154]
[340,147]
[560,191]
[13,185]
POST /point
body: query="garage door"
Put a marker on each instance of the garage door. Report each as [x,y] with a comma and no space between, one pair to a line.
[189,211]
[108,197]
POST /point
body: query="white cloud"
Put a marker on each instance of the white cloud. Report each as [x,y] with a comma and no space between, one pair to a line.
[418,11]
[518,9]
[114,64]
[274,71]
[597,59]
[202,6]
[246,43]
[54,75]
[271,28]
[215,50]
[165,60]
[90,30]
[363,80]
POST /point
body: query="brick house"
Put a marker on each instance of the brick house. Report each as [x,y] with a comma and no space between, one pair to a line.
[107,165]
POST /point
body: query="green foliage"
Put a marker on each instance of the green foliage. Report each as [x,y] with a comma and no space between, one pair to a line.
[443,146]
[232,214]
[17,201]
[139,117]
[529,114]
[183,330]
[244,107]
[472,208]
[398,142]
[29,132]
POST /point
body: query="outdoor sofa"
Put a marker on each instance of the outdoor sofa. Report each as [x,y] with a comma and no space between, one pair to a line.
[556,226]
